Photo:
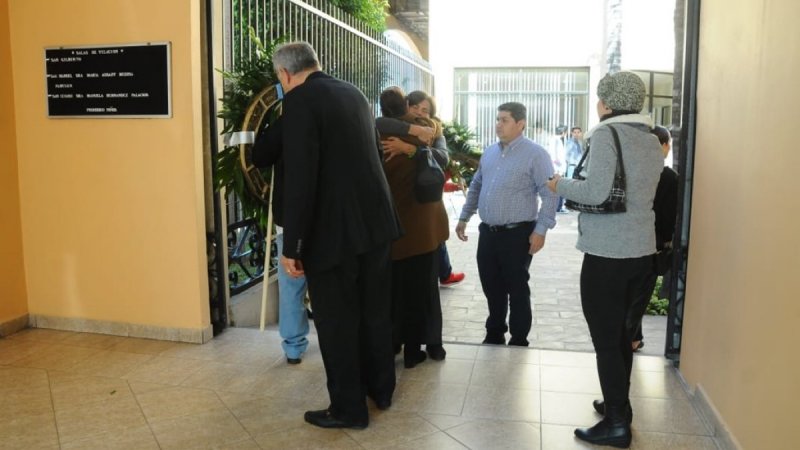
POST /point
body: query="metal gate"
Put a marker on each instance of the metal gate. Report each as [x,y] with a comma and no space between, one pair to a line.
[348,50]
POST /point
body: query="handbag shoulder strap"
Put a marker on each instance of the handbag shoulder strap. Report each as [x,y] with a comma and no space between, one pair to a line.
[579,167]
[618,151]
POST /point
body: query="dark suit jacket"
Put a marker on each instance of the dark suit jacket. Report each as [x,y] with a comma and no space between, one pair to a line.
[665,206]
[267,151]
[338,202]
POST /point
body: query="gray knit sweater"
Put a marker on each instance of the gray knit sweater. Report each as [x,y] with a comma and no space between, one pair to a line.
[625,235]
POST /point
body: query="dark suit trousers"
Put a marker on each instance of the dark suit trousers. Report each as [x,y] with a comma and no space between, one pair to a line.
[352,314]
[608,288]
[503,266]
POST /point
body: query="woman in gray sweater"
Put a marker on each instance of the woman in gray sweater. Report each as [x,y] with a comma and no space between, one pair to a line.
[617,248]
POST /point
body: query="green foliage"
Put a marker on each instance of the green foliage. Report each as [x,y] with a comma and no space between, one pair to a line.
[465,155]
[371,12]
[246,80]
[657,306]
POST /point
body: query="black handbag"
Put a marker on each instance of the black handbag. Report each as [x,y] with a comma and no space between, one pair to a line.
[615,203]
[663,261]
[429,178]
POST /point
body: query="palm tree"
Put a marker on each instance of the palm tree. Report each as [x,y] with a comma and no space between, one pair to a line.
[614,35]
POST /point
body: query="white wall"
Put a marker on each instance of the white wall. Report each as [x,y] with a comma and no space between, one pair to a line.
[543,33]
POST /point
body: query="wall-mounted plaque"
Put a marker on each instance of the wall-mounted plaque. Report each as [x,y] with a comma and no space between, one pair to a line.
[130,80]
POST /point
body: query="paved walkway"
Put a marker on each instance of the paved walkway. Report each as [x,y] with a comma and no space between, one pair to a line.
[558,322]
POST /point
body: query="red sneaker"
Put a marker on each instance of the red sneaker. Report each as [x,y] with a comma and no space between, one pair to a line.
[453,279]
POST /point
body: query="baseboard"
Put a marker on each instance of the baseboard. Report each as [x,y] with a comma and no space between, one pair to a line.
[13,325]
[191,335]
[702,403]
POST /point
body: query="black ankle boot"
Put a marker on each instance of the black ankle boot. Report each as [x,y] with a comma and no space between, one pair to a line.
[412,355]
[614,430]
[600,407]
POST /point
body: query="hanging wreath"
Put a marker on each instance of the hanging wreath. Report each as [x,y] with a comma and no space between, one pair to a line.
[250,101]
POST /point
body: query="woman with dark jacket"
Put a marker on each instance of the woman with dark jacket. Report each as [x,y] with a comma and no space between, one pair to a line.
[618,248]
[665,206]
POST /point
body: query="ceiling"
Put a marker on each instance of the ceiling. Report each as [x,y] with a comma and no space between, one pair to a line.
[413,14]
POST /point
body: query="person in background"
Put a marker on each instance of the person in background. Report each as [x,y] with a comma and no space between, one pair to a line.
[665,206]
[505,192]
[414,256]
[339,224]
[574,150]
[618,248]
[292,317]
[558,154]
[423,105]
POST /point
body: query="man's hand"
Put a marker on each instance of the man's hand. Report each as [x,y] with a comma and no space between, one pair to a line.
[293,267]
[393,146]
[461,230]
[424,134]
[552,183]
[537,242]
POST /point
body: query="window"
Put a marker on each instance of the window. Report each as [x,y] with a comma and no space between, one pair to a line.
[553,97]
[658,103]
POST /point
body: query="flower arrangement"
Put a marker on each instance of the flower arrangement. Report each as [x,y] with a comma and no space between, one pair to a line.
[464,152]
[241,85]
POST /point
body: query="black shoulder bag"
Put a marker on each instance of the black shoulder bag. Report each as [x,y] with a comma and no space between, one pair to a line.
[615,203]
[429,178]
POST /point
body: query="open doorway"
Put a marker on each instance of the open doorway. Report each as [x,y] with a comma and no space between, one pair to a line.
[554,272]
[554,73]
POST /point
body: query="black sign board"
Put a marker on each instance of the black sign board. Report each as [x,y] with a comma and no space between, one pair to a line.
[109,81]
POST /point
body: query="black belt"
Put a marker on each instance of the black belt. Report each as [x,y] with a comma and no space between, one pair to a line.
[508,226]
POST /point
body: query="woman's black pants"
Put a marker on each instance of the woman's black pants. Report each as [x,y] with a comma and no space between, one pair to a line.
[415,298]
[608,288]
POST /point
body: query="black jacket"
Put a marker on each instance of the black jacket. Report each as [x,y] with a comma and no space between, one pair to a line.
[267,152]
[337,200]
[665,206]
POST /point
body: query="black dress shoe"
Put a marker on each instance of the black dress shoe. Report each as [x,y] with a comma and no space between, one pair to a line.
[412,355]
[494,340]
[382,403]
[436,352]
[614,430]
[518,342]
[600,407]
[294,360]
[324,419]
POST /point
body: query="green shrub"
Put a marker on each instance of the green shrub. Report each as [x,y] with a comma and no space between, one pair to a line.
[464,151]
[371,12]
[657,306]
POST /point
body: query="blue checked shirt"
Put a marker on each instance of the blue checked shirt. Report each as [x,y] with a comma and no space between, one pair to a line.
[507,183]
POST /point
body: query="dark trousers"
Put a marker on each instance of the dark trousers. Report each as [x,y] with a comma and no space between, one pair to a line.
[503,264]
[352,314]
[608,288]
[445,269]
[416,308]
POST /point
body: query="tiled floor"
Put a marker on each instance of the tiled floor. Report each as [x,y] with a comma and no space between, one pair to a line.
[558,322]
[84,391]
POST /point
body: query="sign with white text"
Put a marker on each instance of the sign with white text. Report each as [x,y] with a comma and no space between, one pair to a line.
[120,81]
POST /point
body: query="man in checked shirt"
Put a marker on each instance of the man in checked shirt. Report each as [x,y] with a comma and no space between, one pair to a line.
[505,192]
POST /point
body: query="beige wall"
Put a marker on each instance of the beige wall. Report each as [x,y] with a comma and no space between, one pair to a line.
[13,298]
[742,300]
[112,209]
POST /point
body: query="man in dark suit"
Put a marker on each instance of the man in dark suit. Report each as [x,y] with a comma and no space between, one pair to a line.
[339,222]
